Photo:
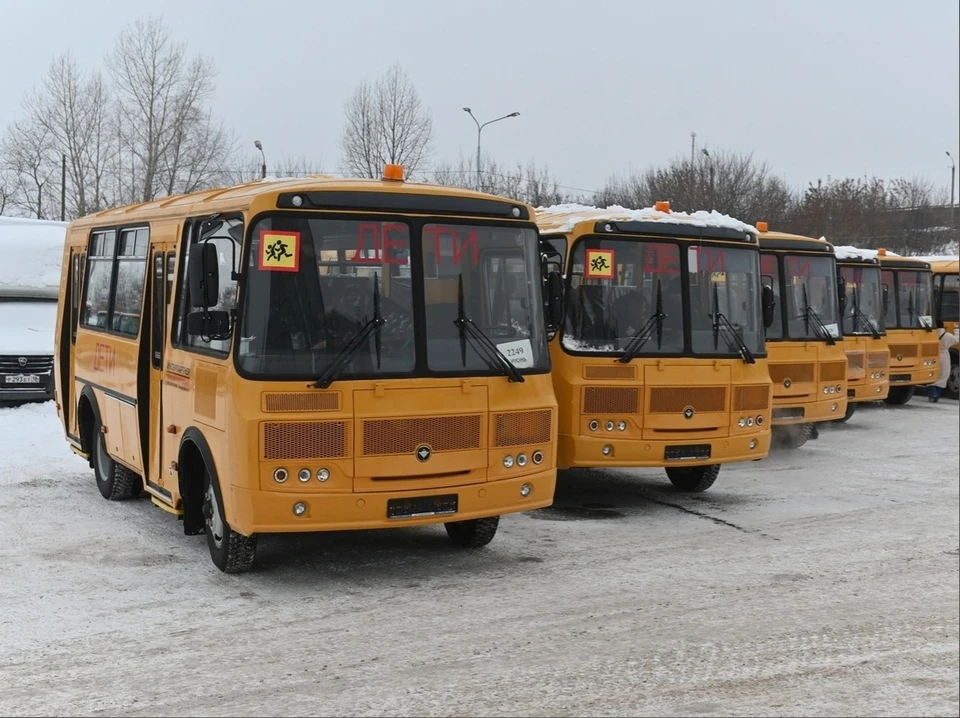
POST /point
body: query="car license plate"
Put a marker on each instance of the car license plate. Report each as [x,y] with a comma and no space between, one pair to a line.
[422,506]
[23,379]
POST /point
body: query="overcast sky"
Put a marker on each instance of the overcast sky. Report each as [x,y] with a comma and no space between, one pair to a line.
[841,88]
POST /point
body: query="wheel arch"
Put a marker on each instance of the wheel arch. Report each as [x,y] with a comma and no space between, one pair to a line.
[88,415]
[195,457]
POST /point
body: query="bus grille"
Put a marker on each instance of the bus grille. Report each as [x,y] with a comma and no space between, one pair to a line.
[305,439]
[34,365]
[833,371]
[905,350]
[301,401]
[611,400]
[878,360]
[671,400]
[751,398]
[779,373]
[609,371]
[930,350]
[383,437]
[855,361]
[522,427]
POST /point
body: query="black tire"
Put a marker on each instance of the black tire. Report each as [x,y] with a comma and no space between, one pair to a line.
[952,390]
[693,478]
[473,533]
[900,395]
[851,407]
[231,552]
[792,436]
[115,482]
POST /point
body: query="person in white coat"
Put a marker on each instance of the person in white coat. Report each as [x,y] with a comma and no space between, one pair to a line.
[947,340]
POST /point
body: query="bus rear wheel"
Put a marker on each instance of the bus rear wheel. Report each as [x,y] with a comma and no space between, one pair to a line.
[793,436]
[231,552]
[115,482]
[693,478]
[851,407]
[900,395]
[473,533]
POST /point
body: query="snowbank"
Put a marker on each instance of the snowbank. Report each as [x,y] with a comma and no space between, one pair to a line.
[31,252]
[568,215]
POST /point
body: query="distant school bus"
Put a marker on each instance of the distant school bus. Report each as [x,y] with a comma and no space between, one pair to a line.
[908,316]
[660,358]
[946,292]
[309,355]
[807,362]
[864,336]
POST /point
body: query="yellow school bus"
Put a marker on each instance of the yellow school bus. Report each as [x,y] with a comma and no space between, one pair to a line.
[807,362]
[659,359]
[864,336]
[946,292]
[311,355]
[908,315]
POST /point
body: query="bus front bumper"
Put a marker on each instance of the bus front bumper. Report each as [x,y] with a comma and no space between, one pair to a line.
[587,452]
[257,511]
[873,391]
[913,377]
[786,413]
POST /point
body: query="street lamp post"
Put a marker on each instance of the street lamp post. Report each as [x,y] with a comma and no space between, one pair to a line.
[263,158]
[479,130]
[713,193]
[953,206]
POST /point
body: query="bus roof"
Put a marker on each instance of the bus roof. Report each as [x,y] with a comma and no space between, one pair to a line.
[241,196]
[943,265]
[784,240]
[855,254]
[562,218]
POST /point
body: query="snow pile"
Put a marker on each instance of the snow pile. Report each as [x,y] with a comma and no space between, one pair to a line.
[568,215]
[31,252]
[848,252]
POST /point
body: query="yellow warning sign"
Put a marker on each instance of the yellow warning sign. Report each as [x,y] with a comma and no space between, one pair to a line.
[600,264]
[279,251]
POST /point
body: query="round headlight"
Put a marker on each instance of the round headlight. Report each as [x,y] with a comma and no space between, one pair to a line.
[521,460]
[825,390]
[323,475]
[508,461]
[839,388]
[609,426]
[622,426]
[750,421]
[759,419]
[280,475]
[304,475]
[832,390]
[538,457]
[742,422]
[594,425]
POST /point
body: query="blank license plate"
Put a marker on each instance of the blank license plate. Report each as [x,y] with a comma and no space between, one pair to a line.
[422,506]
[23,379]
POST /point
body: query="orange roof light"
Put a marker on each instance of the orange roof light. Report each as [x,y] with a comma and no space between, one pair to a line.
[761,226]
[393,172]
[882,252]
[662,206]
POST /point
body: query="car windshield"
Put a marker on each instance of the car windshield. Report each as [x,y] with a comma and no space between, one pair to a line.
[863,312]
[810,288]
[314,285]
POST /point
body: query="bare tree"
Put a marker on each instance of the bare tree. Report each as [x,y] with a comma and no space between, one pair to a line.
[531,184]
[168,139]
[249,168]
[385,123]
[6,190]
[28,153]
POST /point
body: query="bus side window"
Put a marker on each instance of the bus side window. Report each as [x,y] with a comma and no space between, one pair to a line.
[99,271]
[158,310]
[74,297]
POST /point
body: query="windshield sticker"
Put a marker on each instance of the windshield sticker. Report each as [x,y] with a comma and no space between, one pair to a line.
[833,330]
[279,251]
[600,263]
[520,353]
[393,243]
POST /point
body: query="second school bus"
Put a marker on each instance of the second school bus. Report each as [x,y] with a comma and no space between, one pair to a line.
[807,361]
[660,358]
[946,293]
[307,355]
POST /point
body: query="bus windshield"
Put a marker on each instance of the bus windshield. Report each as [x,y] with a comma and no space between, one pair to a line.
[914,299]
[950,298]
[863,313]
[810,286]
[321,291]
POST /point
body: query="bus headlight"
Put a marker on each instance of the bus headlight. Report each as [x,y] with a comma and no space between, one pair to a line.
[622,426]
[280,475]
[824,390]
[521,460]
[742,422]
[508,461]
[538,457]
[609,426]
[323,475]
[304,475]
[594,425]
[839,388]
[759,419]
[750,421]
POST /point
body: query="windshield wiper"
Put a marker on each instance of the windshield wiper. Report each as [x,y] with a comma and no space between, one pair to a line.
[912,311]
[645,332]
[491,353]
[874,330]
[374,326]
[730,332]
[808,312]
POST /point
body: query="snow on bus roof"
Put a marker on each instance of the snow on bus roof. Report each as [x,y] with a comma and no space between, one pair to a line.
[849,252]
[563,217]
[31,252]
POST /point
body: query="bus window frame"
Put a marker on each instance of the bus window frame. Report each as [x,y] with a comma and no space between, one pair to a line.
[117,229]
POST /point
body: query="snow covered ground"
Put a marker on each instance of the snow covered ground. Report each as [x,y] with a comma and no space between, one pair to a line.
[819,581]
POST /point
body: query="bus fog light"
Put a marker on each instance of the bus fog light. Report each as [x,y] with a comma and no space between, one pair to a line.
[607,450]
[299,508]
[304,475]
[280,475]
[879,389]
[594,425]
[742,423]
[833,407]
[753,444]
[297,201]
[609,426]
[622,426]
[526,490]
[323,475]
[508,461]
[538,457]
[750,421]
[759,419]
[521,460]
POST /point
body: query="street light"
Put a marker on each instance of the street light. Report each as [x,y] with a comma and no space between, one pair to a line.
[263,166]
[713,198]
[953,172]
[479,129]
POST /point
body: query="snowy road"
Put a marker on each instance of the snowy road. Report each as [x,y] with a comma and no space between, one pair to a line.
[814,582]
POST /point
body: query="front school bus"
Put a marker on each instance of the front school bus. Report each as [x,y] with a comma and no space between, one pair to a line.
[311,355]
[659,359]
[807,362]
[864,336]
[907,285]
[946,306]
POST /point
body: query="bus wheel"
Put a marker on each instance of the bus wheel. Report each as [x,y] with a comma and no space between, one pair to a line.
[900,395]
[793,436]
[473,533]
[115,482]
[693,478]
[953,381]
[231,552]
[851,407]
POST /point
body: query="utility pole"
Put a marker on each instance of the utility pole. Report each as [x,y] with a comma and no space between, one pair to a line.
[693,148]
[953,206]
[263,157]
[63,187]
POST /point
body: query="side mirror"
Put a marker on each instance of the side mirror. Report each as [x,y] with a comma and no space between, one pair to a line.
[842,293]
[211,325]
[204,271]
[769,303]
[554,299]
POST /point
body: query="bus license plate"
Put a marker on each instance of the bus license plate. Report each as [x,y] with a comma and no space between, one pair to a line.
[422,506]
[23,379]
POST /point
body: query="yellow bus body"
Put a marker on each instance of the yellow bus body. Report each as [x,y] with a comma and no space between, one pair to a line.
[868,356]
[946,290]
[190,411]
